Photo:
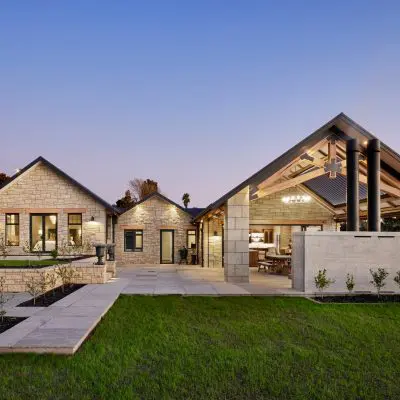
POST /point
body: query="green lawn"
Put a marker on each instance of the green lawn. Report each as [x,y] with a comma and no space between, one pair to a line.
[19,263]
[222,348]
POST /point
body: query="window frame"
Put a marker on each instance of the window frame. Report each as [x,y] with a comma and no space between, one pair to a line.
[187,238]
[74,224]
[12,224]
[134,232]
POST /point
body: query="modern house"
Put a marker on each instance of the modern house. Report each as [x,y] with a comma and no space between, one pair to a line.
[332,180]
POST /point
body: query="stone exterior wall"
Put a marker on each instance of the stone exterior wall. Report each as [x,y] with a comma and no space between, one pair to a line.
[271,208]
[41,190]
[341,253]
[151,216]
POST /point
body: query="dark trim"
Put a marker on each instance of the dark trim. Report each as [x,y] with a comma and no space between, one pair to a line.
[135,249]
[68,225]
[173,245]
[64,175]
[187,237]
[12,224]
[43,231]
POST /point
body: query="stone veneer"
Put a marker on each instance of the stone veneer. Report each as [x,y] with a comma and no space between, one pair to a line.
[236,237]
[42,190]
[269,208]
[86,273]
[151,216]
[212,244]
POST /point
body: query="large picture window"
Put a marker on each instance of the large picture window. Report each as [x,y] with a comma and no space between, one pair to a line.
[133,240]
[43,232]
[75,229]
[12,229]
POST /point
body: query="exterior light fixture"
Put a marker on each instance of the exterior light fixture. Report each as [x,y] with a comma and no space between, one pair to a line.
[92,219]
[298,199]
[17,170]
[215,233]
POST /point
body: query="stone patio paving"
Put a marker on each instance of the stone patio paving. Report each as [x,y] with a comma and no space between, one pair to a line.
[62,327]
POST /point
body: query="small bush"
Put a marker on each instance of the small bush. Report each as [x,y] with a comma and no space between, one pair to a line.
[322,281]
[397,278]
[52,281]
[54,254]
[378,279]
[34,286]
[350,282]
[66,274]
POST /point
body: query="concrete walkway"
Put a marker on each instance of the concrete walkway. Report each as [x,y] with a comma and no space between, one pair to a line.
[62,327]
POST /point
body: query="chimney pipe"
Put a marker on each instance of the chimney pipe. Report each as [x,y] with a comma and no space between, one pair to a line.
[353,196]
[373,180]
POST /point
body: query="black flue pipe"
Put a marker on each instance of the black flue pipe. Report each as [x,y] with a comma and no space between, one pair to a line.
[373,180]
[353,196]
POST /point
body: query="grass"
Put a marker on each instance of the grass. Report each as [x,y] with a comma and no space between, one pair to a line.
[221,348]
[32,263]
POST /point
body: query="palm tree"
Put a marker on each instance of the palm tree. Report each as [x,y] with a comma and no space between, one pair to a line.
[186,199]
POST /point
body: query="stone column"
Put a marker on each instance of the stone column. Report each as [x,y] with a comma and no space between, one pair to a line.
[236,237]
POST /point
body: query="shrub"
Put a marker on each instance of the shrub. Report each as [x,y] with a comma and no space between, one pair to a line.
[378,279]
[3,298]
[33,286]
[350,282]
[3,246]
[397,278]
[66,274]
[52,281]
[54,254]
[322,281]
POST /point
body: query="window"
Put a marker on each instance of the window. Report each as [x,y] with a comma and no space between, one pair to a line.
[75,229]
[43,232]
[133,240]
[12,229]
[191,239]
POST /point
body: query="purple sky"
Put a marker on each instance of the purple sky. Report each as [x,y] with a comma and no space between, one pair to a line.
[197,95]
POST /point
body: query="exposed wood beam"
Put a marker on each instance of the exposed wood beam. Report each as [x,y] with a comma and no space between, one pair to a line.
[277,175]
[384,186]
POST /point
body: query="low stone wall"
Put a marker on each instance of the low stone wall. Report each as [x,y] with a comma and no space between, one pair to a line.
[86,272]
[341,253]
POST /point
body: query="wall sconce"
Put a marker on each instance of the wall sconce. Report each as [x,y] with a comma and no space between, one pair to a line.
[92,219]
[215,233]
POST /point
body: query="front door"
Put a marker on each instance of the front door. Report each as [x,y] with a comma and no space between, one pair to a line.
[166,246]
[43,232]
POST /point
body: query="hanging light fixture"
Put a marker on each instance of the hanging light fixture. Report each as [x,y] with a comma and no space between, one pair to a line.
[297,199]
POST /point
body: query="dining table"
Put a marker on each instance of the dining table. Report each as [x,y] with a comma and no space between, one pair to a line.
[280,262]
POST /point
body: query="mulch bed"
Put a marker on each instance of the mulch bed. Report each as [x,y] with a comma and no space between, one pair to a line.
[9,322]
[360,298]
[51,296]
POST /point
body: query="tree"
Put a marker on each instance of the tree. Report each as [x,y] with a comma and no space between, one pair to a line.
[125,201]
[3,178]
[186,199]
[140,188]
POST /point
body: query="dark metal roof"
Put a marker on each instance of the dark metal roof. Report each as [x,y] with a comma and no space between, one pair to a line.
[58,171]
[194,211]
[161,196]
[333,190]
[331,128]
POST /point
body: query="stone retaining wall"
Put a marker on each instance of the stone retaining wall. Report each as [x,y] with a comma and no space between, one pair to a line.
[86,273]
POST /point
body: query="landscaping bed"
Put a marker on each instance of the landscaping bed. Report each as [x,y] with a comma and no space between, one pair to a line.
[52,296]
[359,298]
[9,322]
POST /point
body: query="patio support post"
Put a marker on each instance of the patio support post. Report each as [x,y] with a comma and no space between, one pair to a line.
[353,214]
[236,237]
[373,181]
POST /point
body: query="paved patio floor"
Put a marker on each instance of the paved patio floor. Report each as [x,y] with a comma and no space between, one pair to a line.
[63,326]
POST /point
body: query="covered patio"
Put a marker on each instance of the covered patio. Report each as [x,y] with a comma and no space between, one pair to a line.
[318,185]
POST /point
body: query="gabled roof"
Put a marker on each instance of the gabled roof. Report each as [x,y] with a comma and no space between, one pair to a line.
[58,171]
[340,126]
[160,196]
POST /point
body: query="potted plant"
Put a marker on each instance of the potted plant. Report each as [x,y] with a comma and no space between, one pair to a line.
[183,254]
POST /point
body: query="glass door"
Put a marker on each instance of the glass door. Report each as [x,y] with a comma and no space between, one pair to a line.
[167,246]
[43,232]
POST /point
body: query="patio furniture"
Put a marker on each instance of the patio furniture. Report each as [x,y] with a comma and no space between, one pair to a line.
[264,265]
[280,262]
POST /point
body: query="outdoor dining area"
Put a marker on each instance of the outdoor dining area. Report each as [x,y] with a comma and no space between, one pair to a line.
[270,261]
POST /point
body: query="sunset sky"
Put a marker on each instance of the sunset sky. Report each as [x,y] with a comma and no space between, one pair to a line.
[197,95]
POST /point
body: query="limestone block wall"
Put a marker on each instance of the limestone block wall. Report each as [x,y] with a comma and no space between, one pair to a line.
[236,237]
[41,190]
[151,216]
[86,273]
[341,253]
[268,209]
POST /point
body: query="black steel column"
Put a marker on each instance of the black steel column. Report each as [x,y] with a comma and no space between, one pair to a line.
[373,180]
[353,196]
